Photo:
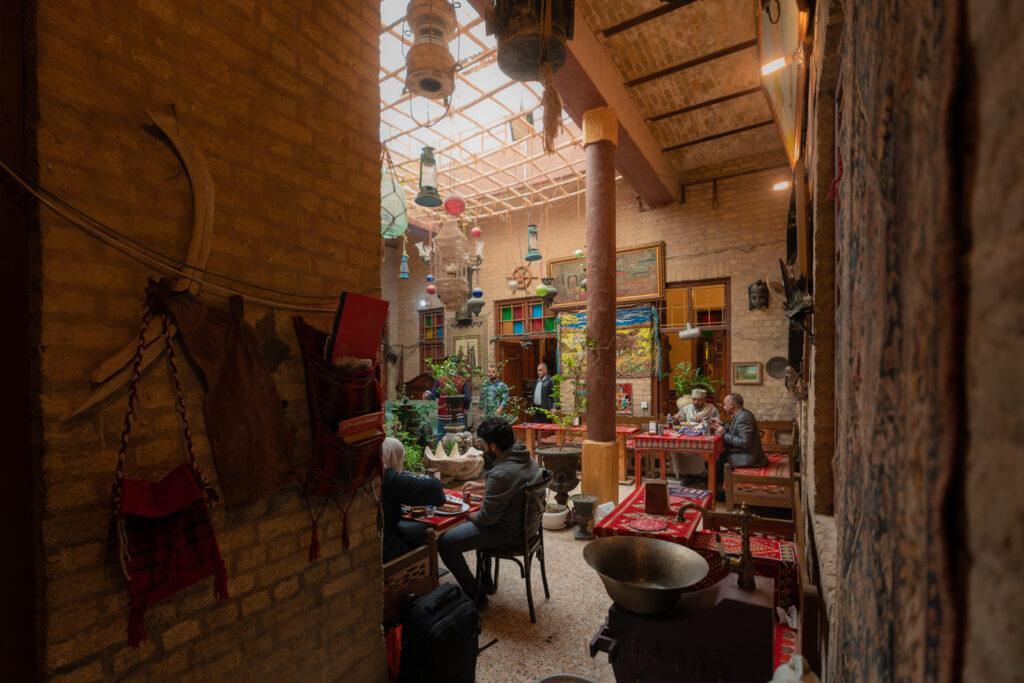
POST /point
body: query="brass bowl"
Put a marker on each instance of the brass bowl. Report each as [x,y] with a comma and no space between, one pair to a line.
[645,575]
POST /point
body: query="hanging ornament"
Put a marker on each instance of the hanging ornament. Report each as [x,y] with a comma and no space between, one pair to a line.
[454,204]
[403,270]
[542,290]
[476,231]
[393,218]
[431,289]
[428,196]
[532,244]
[478,293]
[578,253]
[429,67]
[430,277]
[513,285]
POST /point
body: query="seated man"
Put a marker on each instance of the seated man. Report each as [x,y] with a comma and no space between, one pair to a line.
[398,488]
[691,467]
[498,522]
[742,438]
[699,410]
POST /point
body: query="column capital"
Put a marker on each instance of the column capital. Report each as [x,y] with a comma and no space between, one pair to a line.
[600,124]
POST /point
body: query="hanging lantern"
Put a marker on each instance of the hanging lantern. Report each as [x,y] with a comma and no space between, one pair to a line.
[451,256]
[532,244]
[429,67]
[428,196]
[431,289]
[403,270]
[454,204]
[578,253]
[393,219]
[476,231]
[527,36]
[478,293]
[475,306]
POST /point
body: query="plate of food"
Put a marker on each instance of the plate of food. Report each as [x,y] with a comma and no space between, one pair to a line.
[450,509]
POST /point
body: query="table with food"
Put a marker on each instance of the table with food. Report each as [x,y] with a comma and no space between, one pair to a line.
[443,517]
[686,438]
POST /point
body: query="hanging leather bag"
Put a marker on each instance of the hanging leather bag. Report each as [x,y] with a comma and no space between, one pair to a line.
[166,541]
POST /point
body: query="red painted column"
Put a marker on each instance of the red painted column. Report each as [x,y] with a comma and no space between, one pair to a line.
[600,455]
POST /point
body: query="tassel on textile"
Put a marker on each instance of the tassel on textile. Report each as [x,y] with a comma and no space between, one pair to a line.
[220,584]
[551,101]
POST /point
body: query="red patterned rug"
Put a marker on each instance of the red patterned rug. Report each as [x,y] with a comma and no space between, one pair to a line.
[787,644]
[772,557]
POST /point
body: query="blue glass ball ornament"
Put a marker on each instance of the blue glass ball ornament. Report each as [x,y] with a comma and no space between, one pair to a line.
[478,293]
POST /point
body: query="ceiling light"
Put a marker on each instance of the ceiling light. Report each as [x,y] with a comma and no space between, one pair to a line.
[784,185]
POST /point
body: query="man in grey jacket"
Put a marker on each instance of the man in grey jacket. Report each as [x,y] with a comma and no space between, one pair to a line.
[498,522]
[742,438]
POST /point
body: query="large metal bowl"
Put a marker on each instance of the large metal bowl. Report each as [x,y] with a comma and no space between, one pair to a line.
[644,575]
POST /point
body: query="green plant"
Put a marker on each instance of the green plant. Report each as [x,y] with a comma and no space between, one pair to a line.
[413,452]
[446,372]
[572,369]
[688,377]
[553,507]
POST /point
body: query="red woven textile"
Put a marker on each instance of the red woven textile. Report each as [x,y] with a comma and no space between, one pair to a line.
[169,541]
[617,522]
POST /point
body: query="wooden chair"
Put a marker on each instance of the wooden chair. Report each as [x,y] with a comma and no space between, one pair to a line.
[413,572]
[768,486]
[522,553]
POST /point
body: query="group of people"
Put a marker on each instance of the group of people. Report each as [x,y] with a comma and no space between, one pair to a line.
[741,437]
[494,395]
[497,523]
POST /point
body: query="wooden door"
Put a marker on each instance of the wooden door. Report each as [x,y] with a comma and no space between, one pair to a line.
[512,371]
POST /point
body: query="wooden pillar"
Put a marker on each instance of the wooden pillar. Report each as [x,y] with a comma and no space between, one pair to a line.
[600,451]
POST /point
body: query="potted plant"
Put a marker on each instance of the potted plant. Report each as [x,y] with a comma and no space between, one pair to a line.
[450,376]
[563,459]
[687,377]
[555,516]
[413,451]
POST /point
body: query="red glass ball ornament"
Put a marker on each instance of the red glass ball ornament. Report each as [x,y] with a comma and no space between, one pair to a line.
[454,204]
[476,232]
[431,289]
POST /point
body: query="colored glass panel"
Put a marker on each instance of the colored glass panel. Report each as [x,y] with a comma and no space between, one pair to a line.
[537,311]
[517,327]
[506,313]
[549,324]
[518,313]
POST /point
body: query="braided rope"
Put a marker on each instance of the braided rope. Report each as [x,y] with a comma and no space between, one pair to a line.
[129,418]
[208,490]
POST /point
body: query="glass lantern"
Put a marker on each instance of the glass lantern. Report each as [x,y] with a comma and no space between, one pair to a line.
[532,244]
[428,196]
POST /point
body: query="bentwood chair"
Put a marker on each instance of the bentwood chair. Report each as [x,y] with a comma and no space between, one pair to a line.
[532,544]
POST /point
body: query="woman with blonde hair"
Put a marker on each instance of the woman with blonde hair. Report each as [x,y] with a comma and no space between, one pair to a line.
[402,488]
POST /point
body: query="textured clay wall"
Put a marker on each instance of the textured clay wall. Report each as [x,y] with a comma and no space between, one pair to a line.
[741,239]
[994,473]
[281,98]
[899,301]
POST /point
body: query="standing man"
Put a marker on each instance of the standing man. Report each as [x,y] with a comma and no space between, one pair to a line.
[542,394]
[498,522]
[742,437]
[493,395]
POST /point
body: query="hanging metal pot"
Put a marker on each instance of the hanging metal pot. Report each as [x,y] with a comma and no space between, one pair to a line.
[529,33]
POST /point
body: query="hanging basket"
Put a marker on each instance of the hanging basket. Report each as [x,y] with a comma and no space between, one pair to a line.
[394,220]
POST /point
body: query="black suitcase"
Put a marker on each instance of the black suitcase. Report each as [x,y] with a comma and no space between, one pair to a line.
[440,638]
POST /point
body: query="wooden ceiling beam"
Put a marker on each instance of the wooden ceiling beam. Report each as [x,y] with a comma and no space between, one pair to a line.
[645,17]
[717,136]
[705,103]
[704,59]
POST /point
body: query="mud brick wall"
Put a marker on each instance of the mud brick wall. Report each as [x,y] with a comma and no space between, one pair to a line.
[742,239]
[282,99]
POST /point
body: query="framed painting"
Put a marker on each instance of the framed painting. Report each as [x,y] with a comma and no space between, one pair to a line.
[469,349]
[639,276]
[781,29]
[746,373]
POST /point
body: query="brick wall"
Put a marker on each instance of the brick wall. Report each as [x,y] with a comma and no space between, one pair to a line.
[742,240]
[282,99]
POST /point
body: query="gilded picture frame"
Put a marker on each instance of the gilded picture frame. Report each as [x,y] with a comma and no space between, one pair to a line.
[639,276]
[747,373]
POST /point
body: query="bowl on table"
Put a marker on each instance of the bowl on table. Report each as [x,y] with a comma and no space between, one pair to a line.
[418,511]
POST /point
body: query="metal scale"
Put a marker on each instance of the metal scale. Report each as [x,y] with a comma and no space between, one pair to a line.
[721,633]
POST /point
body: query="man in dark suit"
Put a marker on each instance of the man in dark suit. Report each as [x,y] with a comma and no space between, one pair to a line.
[742,438]
[542,394]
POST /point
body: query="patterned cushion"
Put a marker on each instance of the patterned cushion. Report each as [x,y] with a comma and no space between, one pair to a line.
[778,466]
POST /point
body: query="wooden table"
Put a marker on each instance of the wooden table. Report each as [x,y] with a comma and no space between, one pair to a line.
[707,447]
[630,513]
[530,430]
[444,522]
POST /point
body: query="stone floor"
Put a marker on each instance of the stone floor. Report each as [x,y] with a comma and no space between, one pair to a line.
[559,641]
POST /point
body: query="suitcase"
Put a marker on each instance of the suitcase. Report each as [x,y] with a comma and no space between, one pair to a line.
[440,638]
